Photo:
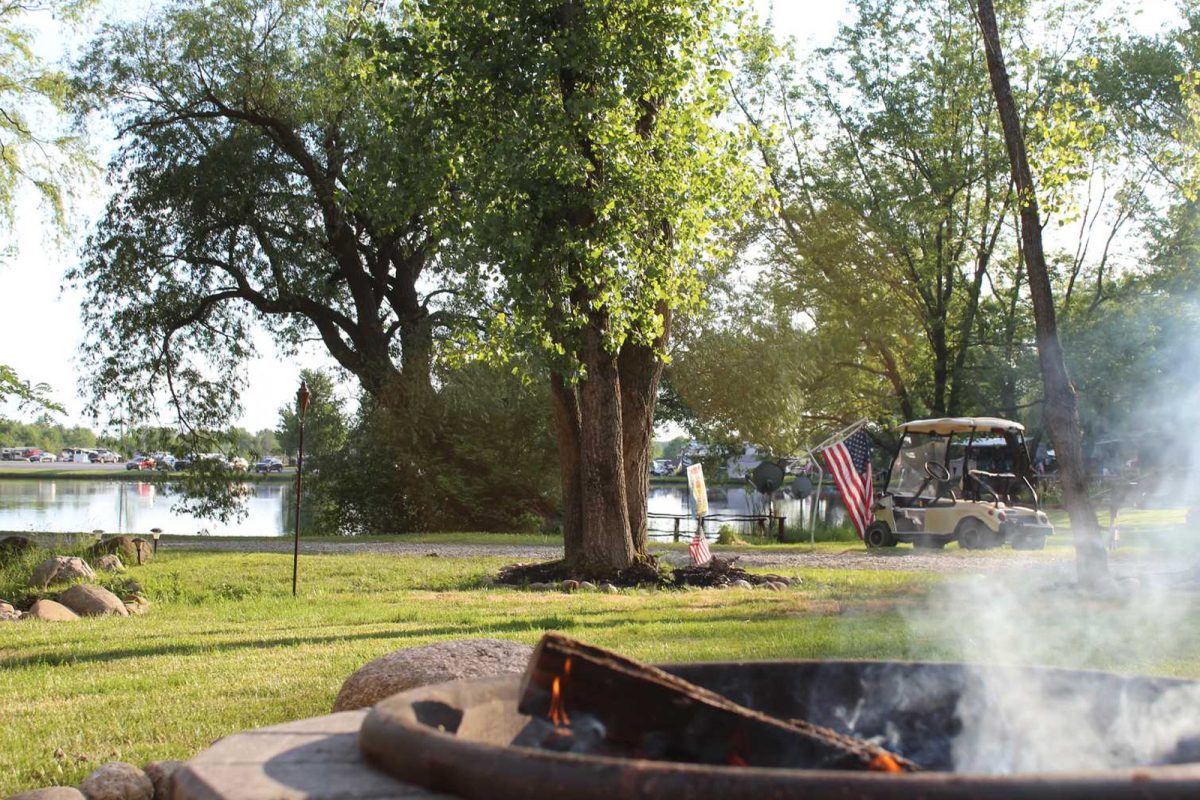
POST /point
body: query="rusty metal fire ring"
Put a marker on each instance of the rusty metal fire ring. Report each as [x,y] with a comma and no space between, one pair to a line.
[454,738]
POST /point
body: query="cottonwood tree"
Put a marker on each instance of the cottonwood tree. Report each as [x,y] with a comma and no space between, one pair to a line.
[892,198]
[1061,408]
[895,226]
[600,177]
[256,189]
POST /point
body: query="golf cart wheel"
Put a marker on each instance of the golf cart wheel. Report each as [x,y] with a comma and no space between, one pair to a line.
[974,535]
[1029,541]
[929,541]
[878,534]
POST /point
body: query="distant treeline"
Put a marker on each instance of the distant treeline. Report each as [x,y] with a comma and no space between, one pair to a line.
[53,437]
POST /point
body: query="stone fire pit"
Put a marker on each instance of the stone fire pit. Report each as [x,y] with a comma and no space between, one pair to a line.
[454,739]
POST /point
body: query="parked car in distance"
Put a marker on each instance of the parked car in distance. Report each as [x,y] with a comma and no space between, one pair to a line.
[139,463]
[163,460]
[105,457]
[268,464]
[42,458]
[183,462]
[238,464]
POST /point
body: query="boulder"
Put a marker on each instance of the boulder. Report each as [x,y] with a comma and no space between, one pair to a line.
[12,547]
[88,600]
[60,569]
[50,793]
[569,586]
[131,549]
[110,563]
[137,605]
[7,611]
[608,588]
[50,611]
[159,773]
[117,781]
[435,663]
[741,584]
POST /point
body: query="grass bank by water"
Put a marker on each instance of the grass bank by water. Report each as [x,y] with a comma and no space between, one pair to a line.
[140,476]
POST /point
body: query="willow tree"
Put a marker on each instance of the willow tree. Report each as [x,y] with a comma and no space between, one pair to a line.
[600,179]
[37,151]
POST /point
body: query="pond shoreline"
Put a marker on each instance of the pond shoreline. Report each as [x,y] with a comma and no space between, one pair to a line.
[48,472]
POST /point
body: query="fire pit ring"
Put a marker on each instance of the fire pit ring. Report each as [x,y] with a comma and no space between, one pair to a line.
[455,737]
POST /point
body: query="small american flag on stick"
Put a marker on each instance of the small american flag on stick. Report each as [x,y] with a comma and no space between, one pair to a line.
[699,549]
[850,462]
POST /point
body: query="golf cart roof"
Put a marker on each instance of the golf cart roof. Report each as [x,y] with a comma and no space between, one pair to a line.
[947,425]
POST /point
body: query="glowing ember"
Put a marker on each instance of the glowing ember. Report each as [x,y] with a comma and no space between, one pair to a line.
[882,762]
[558,711]
[737,761]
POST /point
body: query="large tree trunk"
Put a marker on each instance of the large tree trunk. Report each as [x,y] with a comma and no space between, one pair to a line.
[566,431]
[606,544]
[641,370]
[1061,409]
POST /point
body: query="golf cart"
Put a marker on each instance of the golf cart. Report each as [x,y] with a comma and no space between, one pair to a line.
[964,479]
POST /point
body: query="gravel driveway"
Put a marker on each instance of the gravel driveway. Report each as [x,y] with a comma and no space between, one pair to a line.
[900,558]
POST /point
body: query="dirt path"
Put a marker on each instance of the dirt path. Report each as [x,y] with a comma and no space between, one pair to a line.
[900,558]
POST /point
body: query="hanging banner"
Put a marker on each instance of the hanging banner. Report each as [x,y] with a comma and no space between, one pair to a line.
[695,474]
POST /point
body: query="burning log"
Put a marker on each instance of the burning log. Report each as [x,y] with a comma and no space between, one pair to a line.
[635,710]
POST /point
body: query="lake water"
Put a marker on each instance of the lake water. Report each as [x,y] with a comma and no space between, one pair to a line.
[737,501]
[66,505]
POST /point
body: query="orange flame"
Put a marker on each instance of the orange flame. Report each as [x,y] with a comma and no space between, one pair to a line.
[558,711]
[737,746]
[882,762]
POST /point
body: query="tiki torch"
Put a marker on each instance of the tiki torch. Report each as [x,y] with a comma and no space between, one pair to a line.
[302,399]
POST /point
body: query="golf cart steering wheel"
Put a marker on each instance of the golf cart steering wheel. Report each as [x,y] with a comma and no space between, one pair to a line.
[937,471]
[939,476]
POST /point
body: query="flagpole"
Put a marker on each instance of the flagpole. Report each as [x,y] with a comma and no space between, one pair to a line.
[843,434]
[812,517]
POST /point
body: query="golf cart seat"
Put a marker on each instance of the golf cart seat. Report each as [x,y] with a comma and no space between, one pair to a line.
[987,487]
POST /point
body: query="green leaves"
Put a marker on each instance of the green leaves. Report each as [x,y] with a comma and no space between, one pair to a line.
[40,147]
[595,175]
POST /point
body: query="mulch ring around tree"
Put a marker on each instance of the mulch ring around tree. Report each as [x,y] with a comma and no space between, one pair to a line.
[718,572]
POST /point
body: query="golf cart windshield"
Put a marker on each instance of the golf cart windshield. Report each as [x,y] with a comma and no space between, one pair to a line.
[909,478]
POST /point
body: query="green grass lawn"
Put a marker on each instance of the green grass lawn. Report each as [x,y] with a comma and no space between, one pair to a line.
[226,648]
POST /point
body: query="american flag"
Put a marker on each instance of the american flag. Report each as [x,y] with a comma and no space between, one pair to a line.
[850,462]
[699,549]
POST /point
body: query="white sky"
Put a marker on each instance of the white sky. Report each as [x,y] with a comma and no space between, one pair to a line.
[40,331]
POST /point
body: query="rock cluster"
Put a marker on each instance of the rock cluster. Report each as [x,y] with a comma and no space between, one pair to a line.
[116,780]
[81,599]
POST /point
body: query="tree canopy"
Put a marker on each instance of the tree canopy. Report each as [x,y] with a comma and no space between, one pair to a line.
[257,188]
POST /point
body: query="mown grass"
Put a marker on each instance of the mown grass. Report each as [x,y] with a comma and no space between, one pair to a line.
[226,648]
